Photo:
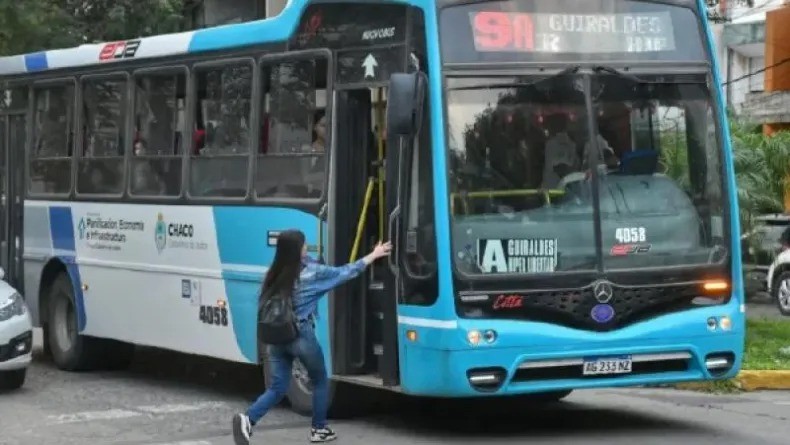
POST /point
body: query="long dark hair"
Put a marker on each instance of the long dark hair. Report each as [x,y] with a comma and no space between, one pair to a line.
[284,271]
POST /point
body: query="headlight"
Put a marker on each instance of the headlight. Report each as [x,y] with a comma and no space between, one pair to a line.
[13,307]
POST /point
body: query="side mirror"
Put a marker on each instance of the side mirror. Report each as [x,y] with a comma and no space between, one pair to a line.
[404,103]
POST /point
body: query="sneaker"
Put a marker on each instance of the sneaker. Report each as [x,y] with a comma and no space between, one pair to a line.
[242,429]
[324,434]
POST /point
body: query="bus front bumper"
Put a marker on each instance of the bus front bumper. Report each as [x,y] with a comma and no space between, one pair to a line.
[535,357]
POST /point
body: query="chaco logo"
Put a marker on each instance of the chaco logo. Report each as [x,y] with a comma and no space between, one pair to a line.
[160,233]
[174,235]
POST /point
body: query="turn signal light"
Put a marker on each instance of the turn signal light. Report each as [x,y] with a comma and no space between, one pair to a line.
[716,286]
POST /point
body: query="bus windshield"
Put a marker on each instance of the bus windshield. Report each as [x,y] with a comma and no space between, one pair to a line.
[522,183]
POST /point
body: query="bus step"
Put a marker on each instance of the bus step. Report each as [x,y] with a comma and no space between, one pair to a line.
[376,285]
[371,380]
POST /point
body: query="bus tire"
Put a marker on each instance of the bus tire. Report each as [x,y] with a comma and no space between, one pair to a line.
[299,397]
[46,347]
[300,391]
[71,351]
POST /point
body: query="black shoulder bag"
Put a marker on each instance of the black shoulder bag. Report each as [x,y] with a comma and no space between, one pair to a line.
[277,320]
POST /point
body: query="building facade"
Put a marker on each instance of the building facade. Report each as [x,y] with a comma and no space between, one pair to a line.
[203,13]
[753,40]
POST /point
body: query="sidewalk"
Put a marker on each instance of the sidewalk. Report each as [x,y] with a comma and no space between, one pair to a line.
[761,305]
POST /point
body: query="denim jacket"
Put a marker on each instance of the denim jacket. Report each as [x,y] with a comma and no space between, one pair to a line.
[315,280]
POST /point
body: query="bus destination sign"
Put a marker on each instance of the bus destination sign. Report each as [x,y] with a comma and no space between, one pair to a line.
[496,31]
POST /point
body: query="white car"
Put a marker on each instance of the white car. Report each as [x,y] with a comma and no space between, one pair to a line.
[778,282]
[16,337]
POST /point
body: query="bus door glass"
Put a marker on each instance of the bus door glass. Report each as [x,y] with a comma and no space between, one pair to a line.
[13,126]
[4,192]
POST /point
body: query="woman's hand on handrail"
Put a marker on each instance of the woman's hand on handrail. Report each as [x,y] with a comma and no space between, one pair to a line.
[380,251]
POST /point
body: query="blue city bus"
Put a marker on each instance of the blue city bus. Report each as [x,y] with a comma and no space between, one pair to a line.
[555,175]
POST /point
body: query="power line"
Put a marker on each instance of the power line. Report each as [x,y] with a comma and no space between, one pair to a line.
[746,76]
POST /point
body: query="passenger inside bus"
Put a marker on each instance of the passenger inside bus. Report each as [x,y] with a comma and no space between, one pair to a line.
[146,180]
[159,102]
[314,166]
[561,157]
[292,145]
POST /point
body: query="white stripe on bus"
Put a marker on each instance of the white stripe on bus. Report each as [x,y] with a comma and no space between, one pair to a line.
[428,322]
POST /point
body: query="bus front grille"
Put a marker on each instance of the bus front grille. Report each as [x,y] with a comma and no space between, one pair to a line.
[575,308]
[566,369]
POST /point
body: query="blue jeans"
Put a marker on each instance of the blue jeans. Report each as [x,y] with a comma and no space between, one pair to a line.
[308,351]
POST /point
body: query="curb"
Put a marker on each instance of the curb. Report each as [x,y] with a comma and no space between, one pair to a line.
[754,380]
[745,381]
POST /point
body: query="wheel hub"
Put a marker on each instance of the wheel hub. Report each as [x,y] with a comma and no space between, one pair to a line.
[65,328]
[784,294]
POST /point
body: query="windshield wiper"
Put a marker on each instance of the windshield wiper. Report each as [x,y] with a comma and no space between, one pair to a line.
[567,71]
[674,78]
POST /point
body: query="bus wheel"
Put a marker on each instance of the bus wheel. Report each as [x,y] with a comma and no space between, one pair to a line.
[70,350]
[344,400]
[300,390]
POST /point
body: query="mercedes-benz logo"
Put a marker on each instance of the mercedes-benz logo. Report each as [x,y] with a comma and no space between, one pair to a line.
[603,292]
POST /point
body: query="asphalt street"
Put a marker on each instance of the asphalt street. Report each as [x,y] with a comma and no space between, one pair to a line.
[168,398]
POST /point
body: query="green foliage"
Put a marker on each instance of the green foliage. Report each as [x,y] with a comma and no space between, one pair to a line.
[674,156]
[762,166]
[764,340]
[34,25]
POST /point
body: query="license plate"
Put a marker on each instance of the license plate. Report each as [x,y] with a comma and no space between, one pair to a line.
[607,365]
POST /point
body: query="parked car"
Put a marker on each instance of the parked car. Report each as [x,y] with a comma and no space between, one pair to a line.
[16,337]
[760,248]
[778,279]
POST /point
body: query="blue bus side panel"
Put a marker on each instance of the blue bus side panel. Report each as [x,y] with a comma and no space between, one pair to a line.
[242,237]
[150,272]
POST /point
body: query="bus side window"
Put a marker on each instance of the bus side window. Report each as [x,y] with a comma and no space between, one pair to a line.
[224,114]
[293,106]
[103,122]
[158,137]
[50,154]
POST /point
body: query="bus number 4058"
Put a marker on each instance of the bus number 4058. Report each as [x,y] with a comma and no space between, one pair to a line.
[214,315]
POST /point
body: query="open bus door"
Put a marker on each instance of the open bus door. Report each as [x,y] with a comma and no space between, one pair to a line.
[375,166]
[13,135]
[370,197]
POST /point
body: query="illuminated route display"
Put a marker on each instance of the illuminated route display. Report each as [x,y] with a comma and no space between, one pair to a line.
[608,33]
[552,30]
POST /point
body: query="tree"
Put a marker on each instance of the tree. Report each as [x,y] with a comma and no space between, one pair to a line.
[762,168]
[35,25]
